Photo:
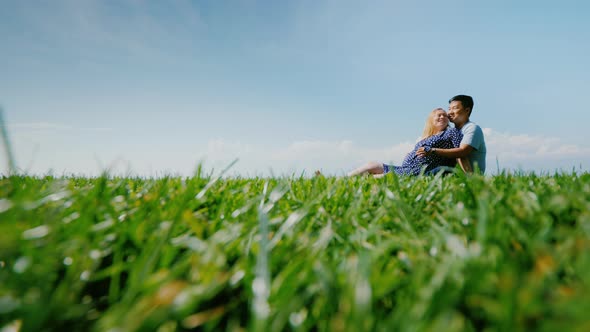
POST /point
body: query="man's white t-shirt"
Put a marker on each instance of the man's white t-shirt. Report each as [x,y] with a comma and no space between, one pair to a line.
[473,136]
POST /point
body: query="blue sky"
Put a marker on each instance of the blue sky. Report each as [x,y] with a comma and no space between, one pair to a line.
[156,87]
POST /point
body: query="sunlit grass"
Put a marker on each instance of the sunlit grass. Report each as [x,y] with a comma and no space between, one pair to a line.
[504,253]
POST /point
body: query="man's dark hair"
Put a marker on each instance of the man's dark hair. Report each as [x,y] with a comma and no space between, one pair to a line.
[465,100]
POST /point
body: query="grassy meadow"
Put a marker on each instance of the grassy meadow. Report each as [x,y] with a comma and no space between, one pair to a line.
[460,253]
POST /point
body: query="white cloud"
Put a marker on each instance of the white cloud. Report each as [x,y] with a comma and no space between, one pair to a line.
[48,126]
[539,153]
[38,126]
[335,156]
[511,151]
[224,149]
[332,157]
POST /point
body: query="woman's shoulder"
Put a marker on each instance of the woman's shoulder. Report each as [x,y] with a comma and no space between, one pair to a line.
[453,131]
[450,131]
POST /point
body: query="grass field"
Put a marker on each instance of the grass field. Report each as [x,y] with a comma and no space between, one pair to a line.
[497,253]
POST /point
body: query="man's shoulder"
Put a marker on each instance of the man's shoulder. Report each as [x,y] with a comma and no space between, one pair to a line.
[470,127]
[473,135]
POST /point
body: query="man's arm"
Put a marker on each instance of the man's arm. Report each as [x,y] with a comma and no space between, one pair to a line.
[462,151]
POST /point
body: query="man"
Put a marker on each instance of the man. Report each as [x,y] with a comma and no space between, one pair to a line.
[472,146]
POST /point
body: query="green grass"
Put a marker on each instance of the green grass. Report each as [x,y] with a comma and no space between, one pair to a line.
[501,253]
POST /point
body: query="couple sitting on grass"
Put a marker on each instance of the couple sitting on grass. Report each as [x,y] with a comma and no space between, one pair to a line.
[441,146]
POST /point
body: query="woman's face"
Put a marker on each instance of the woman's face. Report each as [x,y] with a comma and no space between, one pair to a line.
[440,120]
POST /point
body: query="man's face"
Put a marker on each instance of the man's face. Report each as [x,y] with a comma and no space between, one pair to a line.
[457,113]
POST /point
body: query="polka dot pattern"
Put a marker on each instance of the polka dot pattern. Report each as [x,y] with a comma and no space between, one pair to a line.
[413,164]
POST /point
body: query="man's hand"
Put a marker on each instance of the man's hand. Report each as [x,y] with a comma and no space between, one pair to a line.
[423,151]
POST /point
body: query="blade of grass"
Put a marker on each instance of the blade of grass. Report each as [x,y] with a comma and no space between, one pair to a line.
[7,147]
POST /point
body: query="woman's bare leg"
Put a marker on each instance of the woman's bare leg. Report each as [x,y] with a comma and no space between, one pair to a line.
[370,167]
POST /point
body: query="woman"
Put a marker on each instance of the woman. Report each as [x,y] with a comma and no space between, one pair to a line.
[437,135]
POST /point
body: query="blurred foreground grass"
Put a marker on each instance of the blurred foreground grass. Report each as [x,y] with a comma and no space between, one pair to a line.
[502,253]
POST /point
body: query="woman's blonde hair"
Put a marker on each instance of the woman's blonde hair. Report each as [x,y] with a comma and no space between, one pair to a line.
[429,128]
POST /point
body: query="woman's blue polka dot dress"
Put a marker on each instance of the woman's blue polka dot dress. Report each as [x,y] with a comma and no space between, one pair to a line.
[413,164]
